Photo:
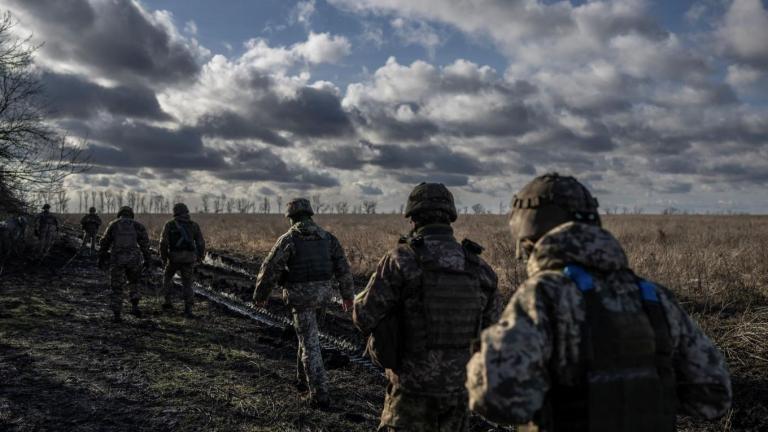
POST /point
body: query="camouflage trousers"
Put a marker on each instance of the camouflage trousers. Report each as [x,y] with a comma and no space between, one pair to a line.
[409,412]
[309,363]
[46,240]
[187,271]
[89,236]
[118,274]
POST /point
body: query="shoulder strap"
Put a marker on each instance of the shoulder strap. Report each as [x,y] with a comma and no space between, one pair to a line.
[580,276]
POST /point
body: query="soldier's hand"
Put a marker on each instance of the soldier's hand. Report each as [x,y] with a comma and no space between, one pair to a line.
[347,305]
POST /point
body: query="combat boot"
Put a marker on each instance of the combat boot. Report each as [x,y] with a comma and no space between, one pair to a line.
[135,311]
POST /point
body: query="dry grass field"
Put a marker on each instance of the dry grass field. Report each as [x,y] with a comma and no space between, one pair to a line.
[717,266]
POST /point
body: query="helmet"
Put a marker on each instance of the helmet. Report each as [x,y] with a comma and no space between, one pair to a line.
[92,210]
[46,206]
[548,201]
[180,209]
[431,196]
[125,211]
[298,206]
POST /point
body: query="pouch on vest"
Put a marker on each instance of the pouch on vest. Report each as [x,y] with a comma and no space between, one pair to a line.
[625,387]
[125,235]
[311,261]
[451,303]
[383,346]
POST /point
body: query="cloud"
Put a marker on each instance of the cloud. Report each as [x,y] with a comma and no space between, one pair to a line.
[744,32]
[75,96]
[118,40]
[416,33]
[261,164]
[368,189]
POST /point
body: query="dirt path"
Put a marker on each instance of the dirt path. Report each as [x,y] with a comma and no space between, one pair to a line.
[65,366]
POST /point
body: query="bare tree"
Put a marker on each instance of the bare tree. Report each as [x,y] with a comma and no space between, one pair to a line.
[218,203]
[243,205]
[33,156]
[206,203]
[478,209]
[342,207]
[230,205]
[279,201]
[265,206]
[369,206]
[317,203]
[62,201]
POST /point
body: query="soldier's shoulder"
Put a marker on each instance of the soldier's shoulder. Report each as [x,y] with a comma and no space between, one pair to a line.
[547,283]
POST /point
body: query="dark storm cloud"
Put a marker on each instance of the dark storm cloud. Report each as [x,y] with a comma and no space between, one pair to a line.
[426,157]
[140,145]
[370,189]
[447,179]
[674,187]
[263,165]
[73,96]
[230,125]
[313,112]
[113,38]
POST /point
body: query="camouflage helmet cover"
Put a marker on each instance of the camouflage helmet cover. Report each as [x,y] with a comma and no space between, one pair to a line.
[125,211]
[92,210]
[548,201]
[298,206]
[431,196]
[46,206]
[180,209]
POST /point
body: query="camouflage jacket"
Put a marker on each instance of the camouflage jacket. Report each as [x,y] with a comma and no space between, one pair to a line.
[537,341]
[192,228]
[305,294]
[46,220]
[142,243]
[90,222]
[433,372]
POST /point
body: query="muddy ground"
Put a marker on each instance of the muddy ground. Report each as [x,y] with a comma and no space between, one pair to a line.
[64,365]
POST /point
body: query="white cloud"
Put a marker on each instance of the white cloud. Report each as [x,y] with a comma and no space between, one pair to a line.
[413,32]
[323,48]
[744,32]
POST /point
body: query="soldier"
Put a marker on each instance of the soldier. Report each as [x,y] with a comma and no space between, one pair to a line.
[90,224]
[585,344]
[304,261]
[442,294]
[46,230]
[181,247]
[128,242]
[12,232]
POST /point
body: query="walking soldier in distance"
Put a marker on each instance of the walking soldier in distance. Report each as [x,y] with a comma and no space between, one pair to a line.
[46,230]
[90,224]
[181,247]
[585,344]
[124,249]
[440,294]
[305,260]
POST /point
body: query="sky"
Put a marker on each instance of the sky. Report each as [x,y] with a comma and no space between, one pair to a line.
[652,104]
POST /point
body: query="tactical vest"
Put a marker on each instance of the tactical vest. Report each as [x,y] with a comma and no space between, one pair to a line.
[180,237]
[125,236]
[311,261]
[628,380]
[448,314]
[47,219]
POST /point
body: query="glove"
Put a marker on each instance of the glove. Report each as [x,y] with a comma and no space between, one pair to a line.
[102,263]
[347,305]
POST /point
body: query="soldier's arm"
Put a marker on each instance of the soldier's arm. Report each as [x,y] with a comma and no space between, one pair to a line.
[703,380]
[341,270]
[142,238]
[508,378]
[380,295]
[106,240]
[164,243]
[272,268]
[199,242]
[493,306]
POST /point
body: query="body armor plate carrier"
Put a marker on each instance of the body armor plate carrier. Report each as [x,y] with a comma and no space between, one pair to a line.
[125,236]
[628,379]
[311,261]
[450,303]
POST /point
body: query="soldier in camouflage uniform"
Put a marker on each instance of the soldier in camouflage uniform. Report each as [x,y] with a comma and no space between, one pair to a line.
[90,224]
[125,245]
[443,294]
[304,261]
[46,230]
[181,247]
[585,344]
